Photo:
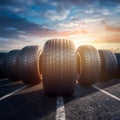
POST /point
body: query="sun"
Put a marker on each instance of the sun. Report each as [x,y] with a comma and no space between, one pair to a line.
[83,41]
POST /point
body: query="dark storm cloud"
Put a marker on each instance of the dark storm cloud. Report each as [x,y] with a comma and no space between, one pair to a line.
[13,27]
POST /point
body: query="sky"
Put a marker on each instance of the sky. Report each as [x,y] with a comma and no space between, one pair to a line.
[28,22]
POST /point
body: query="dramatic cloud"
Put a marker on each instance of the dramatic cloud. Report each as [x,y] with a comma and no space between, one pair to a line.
[53,15]
[13,27]
[25,21]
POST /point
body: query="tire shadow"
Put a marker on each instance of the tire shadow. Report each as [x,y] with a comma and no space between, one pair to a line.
[9,87]
[4,82]
[28,106]
[110,83]
[81,91]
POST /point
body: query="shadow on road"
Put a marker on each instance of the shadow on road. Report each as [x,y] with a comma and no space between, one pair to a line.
[108,83]
[28,106]
[34,104]
[84,91]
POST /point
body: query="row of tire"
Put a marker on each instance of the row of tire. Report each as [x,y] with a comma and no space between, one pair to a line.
[59,65]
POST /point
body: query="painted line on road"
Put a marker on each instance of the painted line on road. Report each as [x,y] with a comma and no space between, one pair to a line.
[12,93]
[4,80]
[107,93]
[60,109]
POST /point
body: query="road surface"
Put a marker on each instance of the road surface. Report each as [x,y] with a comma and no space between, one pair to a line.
[98,102]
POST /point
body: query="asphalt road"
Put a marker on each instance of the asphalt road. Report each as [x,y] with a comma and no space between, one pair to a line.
[87,103]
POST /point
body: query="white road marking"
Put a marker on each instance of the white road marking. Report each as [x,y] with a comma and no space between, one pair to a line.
[60,109]
[12,93]
[107,93]
[4,80]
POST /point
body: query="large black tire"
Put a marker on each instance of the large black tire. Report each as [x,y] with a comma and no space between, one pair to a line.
[29,65]
[2,70]
[118,62]
[109,65]
[6,64]
[91,65]
[59,67]
[12,65]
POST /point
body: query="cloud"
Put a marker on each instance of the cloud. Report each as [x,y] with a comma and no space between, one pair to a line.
[108,39]
[14,27]
[21,20]
[58,10]
[15,2]
[56,15]
[110,27]
[86,2]
[71,33]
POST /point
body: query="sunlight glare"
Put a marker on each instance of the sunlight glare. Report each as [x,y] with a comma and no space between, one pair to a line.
[83,41]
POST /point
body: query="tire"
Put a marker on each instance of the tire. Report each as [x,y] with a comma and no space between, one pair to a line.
[118,62]
[109,65]
[90,62]
[59,67]
[2,70]
[12,65]
[118,67]
[29,65]
[6,64]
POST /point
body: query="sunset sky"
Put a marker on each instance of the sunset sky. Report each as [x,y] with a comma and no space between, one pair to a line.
[27,22]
